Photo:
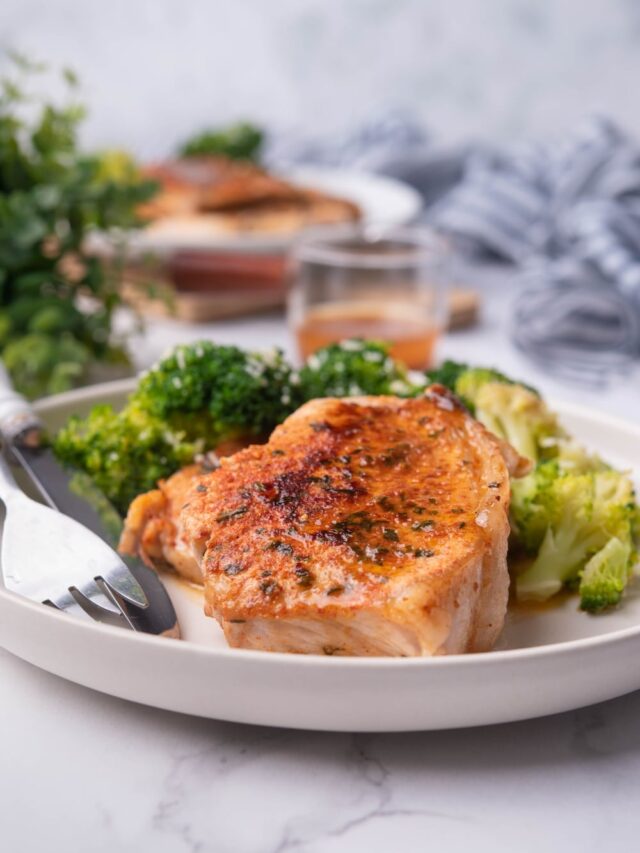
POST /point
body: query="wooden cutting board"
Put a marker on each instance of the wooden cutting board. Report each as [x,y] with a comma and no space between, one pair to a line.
[202,307]
[200,288]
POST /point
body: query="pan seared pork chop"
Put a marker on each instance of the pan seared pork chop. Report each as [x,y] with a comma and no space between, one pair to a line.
[366,526]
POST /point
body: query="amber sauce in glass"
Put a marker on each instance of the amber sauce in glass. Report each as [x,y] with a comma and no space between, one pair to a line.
[412,338]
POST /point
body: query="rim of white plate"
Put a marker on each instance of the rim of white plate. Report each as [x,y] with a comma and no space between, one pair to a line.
[282,658]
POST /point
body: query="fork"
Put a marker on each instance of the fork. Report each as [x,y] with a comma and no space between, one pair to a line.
[50,558]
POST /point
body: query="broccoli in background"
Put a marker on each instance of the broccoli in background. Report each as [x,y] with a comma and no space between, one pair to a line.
[447,374]
[354,367]
[464,380]
[242,141]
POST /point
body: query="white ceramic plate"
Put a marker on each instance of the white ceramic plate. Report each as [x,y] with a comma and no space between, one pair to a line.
[548,660]
[383,201]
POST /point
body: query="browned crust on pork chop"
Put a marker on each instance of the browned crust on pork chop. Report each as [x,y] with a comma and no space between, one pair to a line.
[366,526]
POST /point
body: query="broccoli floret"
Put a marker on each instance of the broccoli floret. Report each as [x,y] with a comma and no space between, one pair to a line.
[203,394]
[511,410]
[124,453]
[519,416]
[605,576]
[355,367]
[573,458]
[573,513]
[195,398]
[579,514]
[529,515]
[215,392]
[447,374]
[469,383]
[465,381]
[242,141]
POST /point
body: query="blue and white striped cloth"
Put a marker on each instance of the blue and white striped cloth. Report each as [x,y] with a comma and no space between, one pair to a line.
[370,147]
[569,215]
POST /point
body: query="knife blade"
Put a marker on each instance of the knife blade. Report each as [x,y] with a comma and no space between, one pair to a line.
[73,493]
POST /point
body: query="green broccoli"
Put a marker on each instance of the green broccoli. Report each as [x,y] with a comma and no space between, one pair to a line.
[215,392]
[573,458]
[519,416]
[605,576]
[447,374]
[124,453]
[529,520]
[511,410]
[465,380]
[570,519]
[242,141]
[573,513]
[355,367]
[203,394]
[195,398]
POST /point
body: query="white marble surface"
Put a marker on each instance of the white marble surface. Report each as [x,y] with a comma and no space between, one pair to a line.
[84,772]
[157,70]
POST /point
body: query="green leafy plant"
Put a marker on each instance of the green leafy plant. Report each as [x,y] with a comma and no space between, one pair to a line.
[242,141]
[57,300]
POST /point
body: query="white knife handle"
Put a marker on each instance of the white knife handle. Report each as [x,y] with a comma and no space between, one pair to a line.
[16,414]
[8,486]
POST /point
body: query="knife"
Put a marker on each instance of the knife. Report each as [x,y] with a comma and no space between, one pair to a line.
[73,493]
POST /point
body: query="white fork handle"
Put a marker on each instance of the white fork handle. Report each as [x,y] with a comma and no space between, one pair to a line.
[16,414]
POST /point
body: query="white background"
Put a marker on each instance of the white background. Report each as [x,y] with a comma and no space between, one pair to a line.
[154,70]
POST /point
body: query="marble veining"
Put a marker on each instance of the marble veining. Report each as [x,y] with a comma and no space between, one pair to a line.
[131,778]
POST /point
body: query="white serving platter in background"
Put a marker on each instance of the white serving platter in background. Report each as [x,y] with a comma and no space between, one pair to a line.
[548,659]
[384,201]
